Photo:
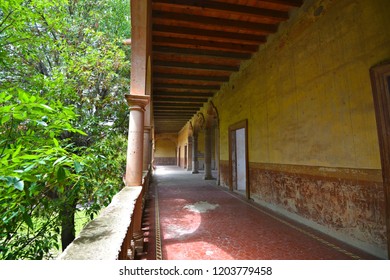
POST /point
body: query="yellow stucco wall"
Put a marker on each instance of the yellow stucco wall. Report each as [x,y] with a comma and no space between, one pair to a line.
[182,142]
[307,92]
[165,145]
[183,135]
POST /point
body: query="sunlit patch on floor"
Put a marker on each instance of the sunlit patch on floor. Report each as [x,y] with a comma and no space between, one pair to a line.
[201,207]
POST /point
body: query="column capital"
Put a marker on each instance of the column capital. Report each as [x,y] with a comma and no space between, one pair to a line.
[137,101]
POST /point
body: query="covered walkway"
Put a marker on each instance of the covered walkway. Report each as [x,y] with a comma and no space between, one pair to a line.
[188,218]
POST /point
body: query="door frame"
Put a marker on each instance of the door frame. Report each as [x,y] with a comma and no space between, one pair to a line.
[232,129]
[380,82]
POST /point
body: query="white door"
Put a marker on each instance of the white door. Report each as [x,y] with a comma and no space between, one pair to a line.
[241,159]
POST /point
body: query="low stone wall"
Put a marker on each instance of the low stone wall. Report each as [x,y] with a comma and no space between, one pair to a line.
[102,238]
[164,161]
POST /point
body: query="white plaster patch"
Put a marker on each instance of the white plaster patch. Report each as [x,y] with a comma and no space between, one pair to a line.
[201,207]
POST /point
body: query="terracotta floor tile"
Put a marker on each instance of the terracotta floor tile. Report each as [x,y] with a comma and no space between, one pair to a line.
[198,220]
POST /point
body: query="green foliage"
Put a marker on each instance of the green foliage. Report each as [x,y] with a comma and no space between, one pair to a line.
[63,75]
[34,168]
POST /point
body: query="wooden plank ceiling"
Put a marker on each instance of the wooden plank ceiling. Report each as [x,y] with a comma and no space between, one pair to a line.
[198,44]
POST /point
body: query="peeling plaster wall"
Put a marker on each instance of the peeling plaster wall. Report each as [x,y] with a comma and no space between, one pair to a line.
[308,100]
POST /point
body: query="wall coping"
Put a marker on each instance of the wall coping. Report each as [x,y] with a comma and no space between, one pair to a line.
[102,238]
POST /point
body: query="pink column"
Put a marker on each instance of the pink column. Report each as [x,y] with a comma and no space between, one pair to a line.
[134,164]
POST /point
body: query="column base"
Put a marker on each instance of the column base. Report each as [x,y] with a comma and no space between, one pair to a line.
[195,172]
[209,178]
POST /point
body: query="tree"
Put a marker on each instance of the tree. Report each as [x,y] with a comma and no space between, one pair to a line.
[34,169]
[66,56]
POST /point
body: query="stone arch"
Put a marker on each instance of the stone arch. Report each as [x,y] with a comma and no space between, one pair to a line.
[198,123]
[190,129]
[212,117]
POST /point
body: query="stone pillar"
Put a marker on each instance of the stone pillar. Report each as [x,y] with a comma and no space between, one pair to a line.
[207,154]
[147,137]
[195,163]
[134,168]
[190,152]
[138,99]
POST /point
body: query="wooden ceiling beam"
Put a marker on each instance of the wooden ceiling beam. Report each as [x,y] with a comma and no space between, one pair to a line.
[209,53]
[196,92]
[159,100]
[203,44]
[175,57]
[188,95]
[164,117]
[176,111]
[186,82]
[287,3]
[192,106]
[178,101]
[224,8]
[191,65]
[191,77]
[193,72]
[204,34]
[198,44]
[184,115]
[182,86]
[213,23]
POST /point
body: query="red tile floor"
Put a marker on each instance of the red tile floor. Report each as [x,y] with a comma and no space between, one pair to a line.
[188,218]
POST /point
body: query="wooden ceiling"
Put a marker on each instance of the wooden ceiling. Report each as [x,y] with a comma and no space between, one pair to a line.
[198,44]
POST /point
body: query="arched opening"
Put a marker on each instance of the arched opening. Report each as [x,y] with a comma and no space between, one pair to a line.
[165,151]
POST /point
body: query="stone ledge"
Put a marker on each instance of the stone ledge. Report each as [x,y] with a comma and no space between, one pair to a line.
[102,238]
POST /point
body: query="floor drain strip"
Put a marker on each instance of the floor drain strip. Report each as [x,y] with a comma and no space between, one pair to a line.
[159,255]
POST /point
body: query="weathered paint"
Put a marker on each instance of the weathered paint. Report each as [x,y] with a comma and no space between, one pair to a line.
[346,203]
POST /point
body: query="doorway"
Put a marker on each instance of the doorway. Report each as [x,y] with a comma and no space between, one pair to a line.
[238,158]
[380,81]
